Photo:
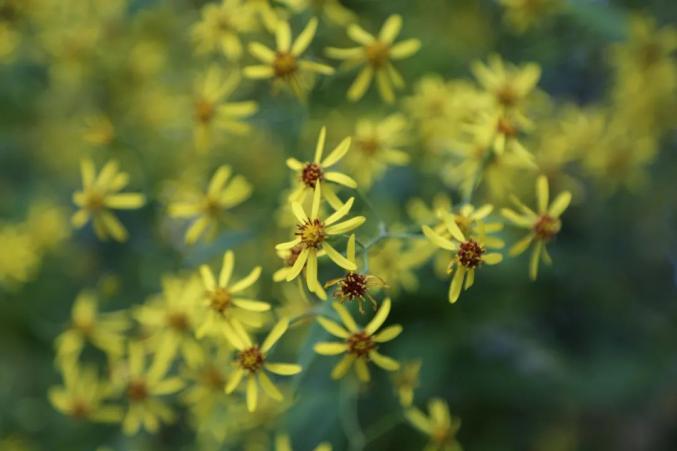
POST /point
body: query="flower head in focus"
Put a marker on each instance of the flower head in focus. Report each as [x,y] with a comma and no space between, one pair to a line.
[376,54]
[312,173]
[207,209]
[543,224]
[360,345]
[284,65]
[99,195]
[252,360]
[312,233]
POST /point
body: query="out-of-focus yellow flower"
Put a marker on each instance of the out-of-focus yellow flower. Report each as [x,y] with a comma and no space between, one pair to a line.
[266,12]
[355,286]
[376,54]
[359,344]
[405,381]
[99,195]
[377,145]
[169,320]
[144,388]
[524,14]
[252,360]
[468,253]
[438,425]
[396,263]
[332,10]
[225,308]
[311,174]
[220,27]
[285,65]
[502,132]
[9,41]
[48,225]
[283,443]
[508,85]
[98,130]
[206,381]
[543,224]
[103,330]
[213,113]
[83,395]
[19,258]
[312,233]
[207,209]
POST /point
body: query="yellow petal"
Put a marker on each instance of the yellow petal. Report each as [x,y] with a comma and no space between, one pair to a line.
[252,393]
[391,28]
[226,268]
[342,367]
[347,320]
[437,239]
[337,258]
[332,327]
[341,179]
[384,362]
[360,85]
[542,193]
[456,284]
[387,334]
[330,348]
[405,49]
[246,281]
[270,388]
[303,40]
[283,369]
[345,226]
[560,204]
[379,318]
[338,153]
[274,335]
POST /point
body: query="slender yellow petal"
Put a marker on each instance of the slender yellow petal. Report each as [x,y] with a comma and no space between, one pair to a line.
[521,245]
[437,239]
[319,147]
[560,204]
[360,85]
[456,284]
[226,268]
[379,318]
[492,258]
[342,367]
[359,35]
[261,52]
[270,388]
[125,201]
[274,335]
[282,36]
[341,212]
[300,262]
[387,334]
[345,316]
[542,193]
[258,72]
[535,258]
[252,393]
[234,380]
[332,327]
[283,369]
[338,153]
[246,281]
[405,49]
[337,258]
[304,38]
[207,277]
[330,348]
[391,28]
[341,179]
[384,362]
[345,226]
[362,370]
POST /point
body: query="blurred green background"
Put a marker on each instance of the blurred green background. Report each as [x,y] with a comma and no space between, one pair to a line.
[582,359]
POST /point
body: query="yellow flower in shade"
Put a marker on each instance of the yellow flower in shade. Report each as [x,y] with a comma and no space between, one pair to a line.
[98,130]
[143,388]
[169,319]
[252,361]
[502,132]
[105,331]
[397,263]
[204,393]
[376,54]
[101,194]
[283,443]
[220,28]
[207,209]
[377,146]
[285,65]
[313,173]
[355,286]
[225,308]
[440,427]
[405,381]
[524,14]
[468,254]
[359,345]
[332,10]
[212,114]
[543,224]
[20,258]
[83,395]
[312,233]
[508,85]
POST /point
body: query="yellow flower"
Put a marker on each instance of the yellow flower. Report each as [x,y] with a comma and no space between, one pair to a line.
[103,330]
[224,307]
[285,65]
[98,130]
[312,233]
[83,395]
[524,14]
[283,443]
[311,174]
[377,55]
[220,27]
[468,253]
[99,195]
[252,360]
[397,264]
[508,85]
[359,344]
[355,286]
[19,258]
[438,425]
[207,378]
[207,210]
[543,224]
[501,131]
[143,388]
[332,10]
[212,113]
[169,320]
[406,381]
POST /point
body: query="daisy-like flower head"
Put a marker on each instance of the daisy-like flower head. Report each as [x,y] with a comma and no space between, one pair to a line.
[543,224]
[225,307]
[101,194]
[220,27]
[207,209]
[144,387]
[311,173]
[376,54]
[211,110]
[438,425]
[502,131]
[355,286]
[105,331]
[312,233]
[83,395]
[378,145]
[360,345]
[508,85]
[252,360]
[468,254]
[285,65]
